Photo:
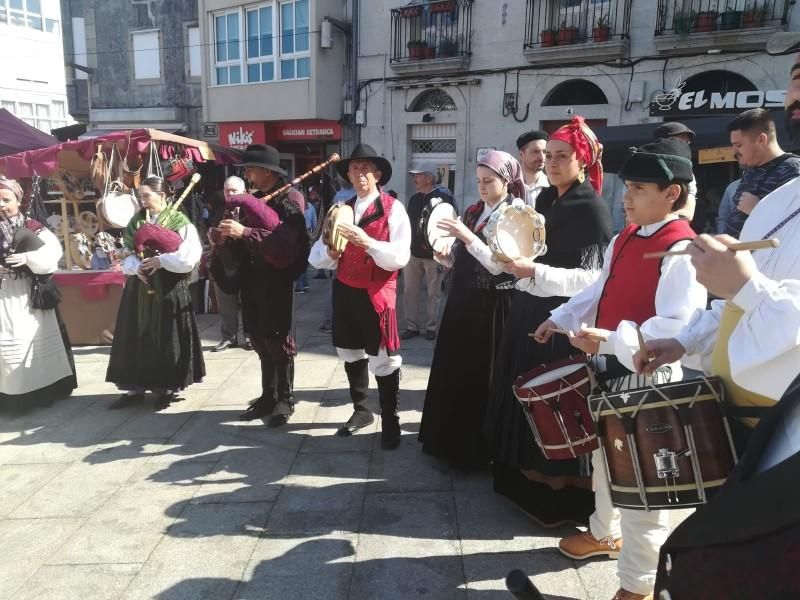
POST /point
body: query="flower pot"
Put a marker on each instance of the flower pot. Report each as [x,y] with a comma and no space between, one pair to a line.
[548,38]
[705,21]
[411,11]
[682,24]
[567,35]
[731,19]
[428,52]
[415,52]
[753,18]
[601,34]
[443,7]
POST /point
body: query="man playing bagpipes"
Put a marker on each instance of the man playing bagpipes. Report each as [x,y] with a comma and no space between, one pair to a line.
[265,251]
[156,341]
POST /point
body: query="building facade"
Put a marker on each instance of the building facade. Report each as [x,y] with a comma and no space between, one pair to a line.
[448,79]
[32,84]
[139,61]
[270,76]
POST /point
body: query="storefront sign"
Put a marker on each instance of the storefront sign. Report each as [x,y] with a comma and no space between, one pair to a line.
[715,155]
[241,135]
[304,131]
[210,130]
[704,102]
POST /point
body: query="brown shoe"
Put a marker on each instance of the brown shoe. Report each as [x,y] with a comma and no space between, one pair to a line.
[583,545]
[623,594]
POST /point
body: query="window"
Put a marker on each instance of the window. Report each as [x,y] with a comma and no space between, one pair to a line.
[23,13]
[146,55]
[59,110]
[295,63]
[9,105]
[195,62]
[26,113]
[260,50]
[227,55]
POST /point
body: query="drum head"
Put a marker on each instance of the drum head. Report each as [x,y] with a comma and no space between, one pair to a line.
[438,239]
[553,375]
[337,215]
[516,234]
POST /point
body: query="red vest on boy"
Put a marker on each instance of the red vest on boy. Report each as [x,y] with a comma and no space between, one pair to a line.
[629,293]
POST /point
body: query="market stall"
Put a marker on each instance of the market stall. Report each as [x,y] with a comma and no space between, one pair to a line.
[88,191]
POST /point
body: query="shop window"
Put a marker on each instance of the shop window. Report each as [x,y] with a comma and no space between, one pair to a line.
[146,55]
[227,54]
[23,13]
[194,54]
[294,44]
[260,44]
[433,146]
[575,91]
[434,101]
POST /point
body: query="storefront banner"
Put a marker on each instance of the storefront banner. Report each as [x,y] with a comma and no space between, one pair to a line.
[239,135]
[707,156]
[704,102]
[304,131]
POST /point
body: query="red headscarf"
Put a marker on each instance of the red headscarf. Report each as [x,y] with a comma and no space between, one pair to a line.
[587,148]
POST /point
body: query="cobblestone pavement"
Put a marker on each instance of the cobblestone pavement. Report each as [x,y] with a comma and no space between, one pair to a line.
[188,503]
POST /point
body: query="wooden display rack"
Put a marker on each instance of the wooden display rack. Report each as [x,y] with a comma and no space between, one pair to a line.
[64,202]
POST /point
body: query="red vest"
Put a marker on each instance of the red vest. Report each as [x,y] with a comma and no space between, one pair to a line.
[629,293]
[357,268]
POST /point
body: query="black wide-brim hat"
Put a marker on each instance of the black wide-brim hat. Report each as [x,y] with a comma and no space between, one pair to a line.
[261,155]
[366,152]
[664,161]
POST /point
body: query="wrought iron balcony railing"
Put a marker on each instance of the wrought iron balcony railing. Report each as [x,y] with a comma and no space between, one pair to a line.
[683,17]
[431,30]
[550,23]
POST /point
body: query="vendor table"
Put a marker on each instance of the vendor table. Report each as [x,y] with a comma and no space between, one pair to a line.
[89,303]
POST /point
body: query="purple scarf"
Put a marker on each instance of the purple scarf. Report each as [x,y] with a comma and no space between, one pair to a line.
[508,168]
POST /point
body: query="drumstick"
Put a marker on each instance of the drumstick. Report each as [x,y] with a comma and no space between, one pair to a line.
[592,336]
[642,345]
[758,245]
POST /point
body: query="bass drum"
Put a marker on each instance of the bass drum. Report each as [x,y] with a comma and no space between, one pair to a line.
[516,231]
[338,214]
[432,238]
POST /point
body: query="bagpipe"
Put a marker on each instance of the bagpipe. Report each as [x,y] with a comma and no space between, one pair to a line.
[44,293]
[227,256]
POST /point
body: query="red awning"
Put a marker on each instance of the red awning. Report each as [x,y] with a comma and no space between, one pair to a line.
[17,136]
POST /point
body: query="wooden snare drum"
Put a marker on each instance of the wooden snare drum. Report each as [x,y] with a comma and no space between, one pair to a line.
[554,398]
[516,231]
[666,446]
[338,214]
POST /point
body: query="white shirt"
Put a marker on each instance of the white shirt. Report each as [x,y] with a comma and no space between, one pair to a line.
[764,348]
[391,255]
[535,188]
[678,296]
[183,260]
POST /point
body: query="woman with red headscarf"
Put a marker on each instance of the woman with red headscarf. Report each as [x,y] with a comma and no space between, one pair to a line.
[578,230]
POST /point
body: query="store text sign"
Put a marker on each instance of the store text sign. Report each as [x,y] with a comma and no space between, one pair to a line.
[703,102]
[305,131]
[241,134]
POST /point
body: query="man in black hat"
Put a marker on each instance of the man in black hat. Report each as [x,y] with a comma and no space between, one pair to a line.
[365,291]
[271,263]
[531,156]
[674,130]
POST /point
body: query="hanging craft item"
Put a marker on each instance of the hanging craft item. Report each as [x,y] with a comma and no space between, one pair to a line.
[131,167]
[80,247]
[98,169]
[68,185]
[117,206]
[88,222]
[175,167]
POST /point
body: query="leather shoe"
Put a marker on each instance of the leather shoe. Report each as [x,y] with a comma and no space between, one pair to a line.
[430,335]
[224,345]
[354,423]
[280,414]
[623,594]
[256,411]
[164,400]
[247,346]
[126,400]
[581,546]
[390,441]
[408,334]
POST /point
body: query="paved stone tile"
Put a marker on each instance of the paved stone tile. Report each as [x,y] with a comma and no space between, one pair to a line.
[424,515]
[78,582]
[318,568]
[25,544]
[407,469]
[20,482]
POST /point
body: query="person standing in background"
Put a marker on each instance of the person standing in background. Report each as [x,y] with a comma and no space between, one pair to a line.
[678,131]
[531,156]
[310,213]
[726,205]
[421,267]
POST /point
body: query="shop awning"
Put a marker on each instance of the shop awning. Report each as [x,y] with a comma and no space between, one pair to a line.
[17,136]
[712,132]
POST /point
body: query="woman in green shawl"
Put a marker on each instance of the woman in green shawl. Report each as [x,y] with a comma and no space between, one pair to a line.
[156,342]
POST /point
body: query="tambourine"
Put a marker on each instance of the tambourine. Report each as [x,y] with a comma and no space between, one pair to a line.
[431,237]
[516,231]
[337,215]
[88,222]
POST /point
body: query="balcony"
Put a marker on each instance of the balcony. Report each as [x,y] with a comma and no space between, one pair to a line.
[691,26]
[432,37]
[576,31]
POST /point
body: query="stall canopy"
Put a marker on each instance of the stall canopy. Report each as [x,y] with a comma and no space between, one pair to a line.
[17,136]
[712,132]
[76,155]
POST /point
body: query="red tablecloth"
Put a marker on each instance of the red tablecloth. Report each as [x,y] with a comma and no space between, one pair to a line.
[92,283]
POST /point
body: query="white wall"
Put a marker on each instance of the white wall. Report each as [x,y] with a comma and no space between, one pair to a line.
[33,65]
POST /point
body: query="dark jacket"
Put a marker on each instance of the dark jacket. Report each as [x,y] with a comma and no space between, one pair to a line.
[416,205]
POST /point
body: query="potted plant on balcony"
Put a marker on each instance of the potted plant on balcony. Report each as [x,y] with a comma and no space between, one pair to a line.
[412,10]
[448,47]
[548,37]
[443,6]
[567,34]
[428,51]
[601,31]
[731,18]
[682,22]
[754,15]
[706,20]
[415,49]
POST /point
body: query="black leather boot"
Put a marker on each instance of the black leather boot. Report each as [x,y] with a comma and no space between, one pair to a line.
[284,407]
[358,378]
[389,395]
[263,405]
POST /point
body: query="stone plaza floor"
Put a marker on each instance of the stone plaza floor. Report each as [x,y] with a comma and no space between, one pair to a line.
[188,503]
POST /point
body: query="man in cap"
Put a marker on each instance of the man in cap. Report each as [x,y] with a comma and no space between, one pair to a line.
[744,542]
[365,291]
[678,131]
[421,267]
[531,146]
[271,261]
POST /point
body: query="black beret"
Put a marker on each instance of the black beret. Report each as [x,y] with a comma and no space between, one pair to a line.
[664,161]
[531,136]
[671,129]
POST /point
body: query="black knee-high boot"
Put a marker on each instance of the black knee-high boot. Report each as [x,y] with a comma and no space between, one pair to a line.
[266,402]
[284,406]
[358,379]
[389,395]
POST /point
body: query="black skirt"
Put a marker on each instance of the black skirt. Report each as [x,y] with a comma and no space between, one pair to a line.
[460,376]
[169,358]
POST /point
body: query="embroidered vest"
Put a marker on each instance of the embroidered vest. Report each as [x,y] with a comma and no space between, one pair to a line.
[356,267]
[629,292]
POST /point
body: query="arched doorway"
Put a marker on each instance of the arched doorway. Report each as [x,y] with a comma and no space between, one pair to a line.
[571,93]
[435,141]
